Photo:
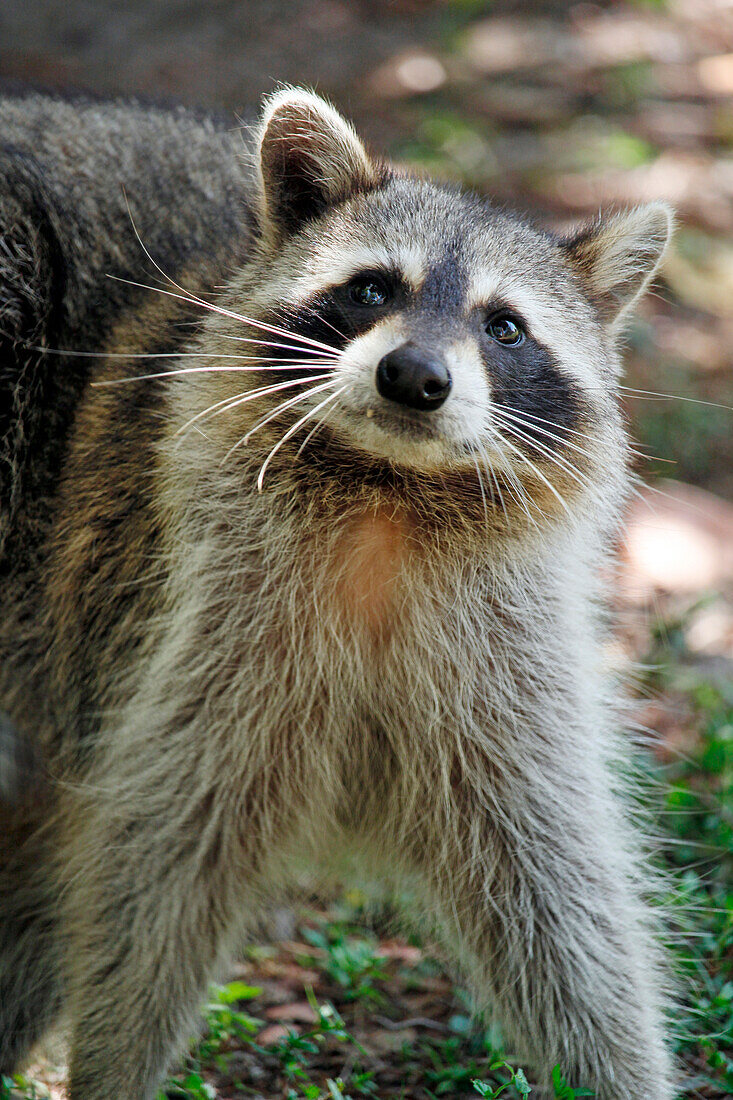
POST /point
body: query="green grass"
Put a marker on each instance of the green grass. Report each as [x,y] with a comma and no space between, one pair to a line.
[350,960]
[462,1063]
[696,819]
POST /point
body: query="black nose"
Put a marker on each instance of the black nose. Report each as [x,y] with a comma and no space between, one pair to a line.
[411,377]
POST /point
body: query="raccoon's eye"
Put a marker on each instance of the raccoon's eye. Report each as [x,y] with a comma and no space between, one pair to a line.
[505,330]
[369,290]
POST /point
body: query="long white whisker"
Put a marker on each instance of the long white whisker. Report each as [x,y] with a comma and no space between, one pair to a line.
[291,431]
[188,354]
[286,405]
[492,475]
[654,394]
[323,320]
[521,455]
[561,464]
[520,418]
[305,365]
[481,487]
[272,344]
[581,479]
[523,433]
[315,430]
[523,498]
[540,419]
[233,402]
[648,394]
[269,362]
[514,485]
[191,296]
[142,244]
[192,299]
[276,412]
[497,485]
[149,354]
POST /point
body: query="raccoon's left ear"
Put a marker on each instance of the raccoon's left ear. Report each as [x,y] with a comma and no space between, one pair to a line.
[309,159]
[616,257]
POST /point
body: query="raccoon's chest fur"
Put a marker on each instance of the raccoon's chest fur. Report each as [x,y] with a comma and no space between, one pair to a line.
[370,564]
[355,652]
[325,622]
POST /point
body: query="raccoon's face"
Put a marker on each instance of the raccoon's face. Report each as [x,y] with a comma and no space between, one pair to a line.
[452,323]
[438,334]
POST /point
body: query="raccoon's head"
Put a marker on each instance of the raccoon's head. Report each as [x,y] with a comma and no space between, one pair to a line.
[405,329]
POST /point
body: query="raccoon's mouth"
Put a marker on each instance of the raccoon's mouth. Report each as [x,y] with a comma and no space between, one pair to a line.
[402,436]
[404,423]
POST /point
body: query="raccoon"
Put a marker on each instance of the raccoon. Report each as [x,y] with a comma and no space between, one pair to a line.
[303,555]
[20,771]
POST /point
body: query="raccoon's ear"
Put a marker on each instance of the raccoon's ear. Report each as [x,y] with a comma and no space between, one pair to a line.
[617,255]
[309,158]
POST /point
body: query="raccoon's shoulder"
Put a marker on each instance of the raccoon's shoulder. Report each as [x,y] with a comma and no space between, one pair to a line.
[79,172]
[79,181]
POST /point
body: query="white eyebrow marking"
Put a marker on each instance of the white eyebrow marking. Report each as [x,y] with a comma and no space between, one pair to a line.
[482,289]
[332,268]
[540,312]
[413,266]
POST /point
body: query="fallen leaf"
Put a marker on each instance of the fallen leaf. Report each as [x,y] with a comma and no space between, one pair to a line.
[404,952]
[297,1010]
[273,1034]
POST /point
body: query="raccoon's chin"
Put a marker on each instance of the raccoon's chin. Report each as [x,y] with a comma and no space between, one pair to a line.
[404,439]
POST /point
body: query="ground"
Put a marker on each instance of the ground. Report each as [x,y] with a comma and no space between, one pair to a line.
[560,108]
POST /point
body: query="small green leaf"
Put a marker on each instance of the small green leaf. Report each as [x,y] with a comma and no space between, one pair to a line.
[521,1083]
[237,991]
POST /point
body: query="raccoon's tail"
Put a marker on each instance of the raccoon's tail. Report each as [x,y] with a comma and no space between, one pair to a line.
[21,773]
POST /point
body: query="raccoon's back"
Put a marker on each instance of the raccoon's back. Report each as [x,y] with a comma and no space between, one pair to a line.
[74,177]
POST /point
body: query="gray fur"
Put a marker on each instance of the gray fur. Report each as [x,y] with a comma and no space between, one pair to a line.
[20,769]
[380,652]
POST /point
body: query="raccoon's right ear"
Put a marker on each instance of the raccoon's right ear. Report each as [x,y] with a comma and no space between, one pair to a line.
[309,158]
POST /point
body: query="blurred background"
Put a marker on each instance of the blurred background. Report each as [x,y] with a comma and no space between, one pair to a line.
[561,108]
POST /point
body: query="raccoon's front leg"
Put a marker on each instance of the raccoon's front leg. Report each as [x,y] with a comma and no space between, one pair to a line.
[157,882]
[535,890]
